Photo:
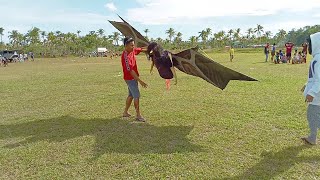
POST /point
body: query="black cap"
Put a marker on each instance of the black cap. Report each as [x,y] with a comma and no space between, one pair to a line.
[127,40]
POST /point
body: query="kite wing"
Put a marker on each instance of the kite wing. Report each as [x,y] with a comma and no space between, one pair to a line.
[127,30]
[192,62]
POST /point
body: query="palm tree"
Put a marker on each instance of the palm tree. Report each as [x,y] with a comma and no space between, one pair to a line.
[1,34]
[236,34]
[230,32]
[258,30]
[116,37]
[178,38]
[51,37]
[268,34]
[170,33]
[281,34]
[34,35]
[204,36]
[146,31]
[249,33]
[13,36]
[220,37]
[78,32]
[100,32]
[43,35]
[58,34]
[159,40]
[209,31]
[92,33]
[193,40]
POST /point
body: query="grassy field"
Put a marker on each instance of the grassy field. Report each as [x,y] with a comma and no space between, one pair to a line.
[60,119]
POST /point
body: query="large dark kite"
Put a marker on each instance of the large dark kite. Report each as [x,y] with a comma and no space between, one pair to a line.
[189,61]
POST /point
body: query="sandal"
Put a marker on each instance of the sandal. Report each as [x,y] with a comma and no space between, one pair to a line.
[126,116]
[140,119]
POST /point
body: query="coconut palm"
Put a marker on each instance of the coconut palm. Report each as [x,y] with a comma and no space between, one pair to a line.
[178,38]
[170,33]
[146,31]
[100,32]
[193,40]
[204,36]
[116,37]
[78,32]
[43,35]
[258,30]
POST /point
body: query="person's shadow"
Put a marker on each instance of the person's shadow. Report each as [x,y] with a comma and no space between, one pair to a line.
[112,135]
[274,164]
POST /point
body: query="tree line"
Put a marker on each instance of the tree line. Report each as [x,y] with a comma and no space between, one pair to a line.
[57,43]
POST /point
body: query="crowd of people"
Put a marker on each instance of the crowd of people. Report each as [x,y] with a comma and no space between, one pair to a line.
[111,54]
[15,57]
[280,56]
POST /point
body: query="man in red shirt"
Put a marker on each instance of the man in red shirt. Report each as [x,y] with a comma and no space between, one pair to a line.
[289,47]
[131,76]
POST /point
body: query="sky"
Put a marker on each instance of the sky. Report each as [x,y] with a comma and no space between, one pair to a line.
[187,17]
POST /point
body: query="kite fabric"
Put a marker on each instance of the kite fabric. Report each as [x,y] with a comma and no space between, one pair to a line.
[189,61]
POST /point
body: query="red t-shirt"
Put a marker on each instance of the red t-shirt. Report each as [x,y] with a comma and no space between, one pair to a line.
[289,48]
[129,63]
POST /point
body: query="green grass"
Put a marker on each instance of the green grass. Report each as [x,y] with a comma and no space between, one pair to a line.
[60,119]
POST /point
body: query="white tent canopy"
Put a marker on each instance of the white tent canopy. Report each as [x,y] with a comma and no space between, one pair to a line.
[102,50]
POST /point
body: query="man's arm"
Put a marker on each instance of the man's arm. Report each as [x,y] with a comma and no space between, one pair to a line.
[136,77]
[144,49]
[140,49]
[316,86]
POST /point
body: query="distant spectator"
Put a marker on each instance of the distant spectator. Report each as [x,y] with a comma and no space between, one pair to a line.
[21,57]
[3,61]
[266,51]
[289,46]
[277,58]
[273,51]
[304,57]
[297,58]
[32,56]
[231,52]
[304,51]
[284,59]
[281,54]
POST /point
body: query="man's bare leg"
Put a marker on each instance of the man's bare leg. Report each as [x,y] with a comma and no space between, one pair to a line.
[128,104]
[136,105]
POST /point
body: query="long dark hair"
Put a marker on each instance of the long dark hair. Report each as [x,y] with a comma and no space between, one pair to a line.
[154,49]
[309,45]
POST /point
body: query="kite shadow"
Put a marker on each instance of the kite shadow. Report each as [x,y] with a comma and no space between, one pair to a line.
[111,135]
[274,164]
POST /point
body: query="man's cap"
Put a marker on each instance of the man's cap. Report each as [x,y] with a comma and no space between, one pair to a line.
[127,40]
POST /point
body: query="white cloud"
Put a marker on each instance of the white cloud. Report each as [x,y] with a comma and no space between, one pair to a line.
[65,20]
[110,6]
[177,11]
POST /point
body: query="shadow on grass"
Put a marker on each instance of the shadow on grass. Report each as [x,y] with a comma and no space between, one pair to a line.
[274,164]
[112,135]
